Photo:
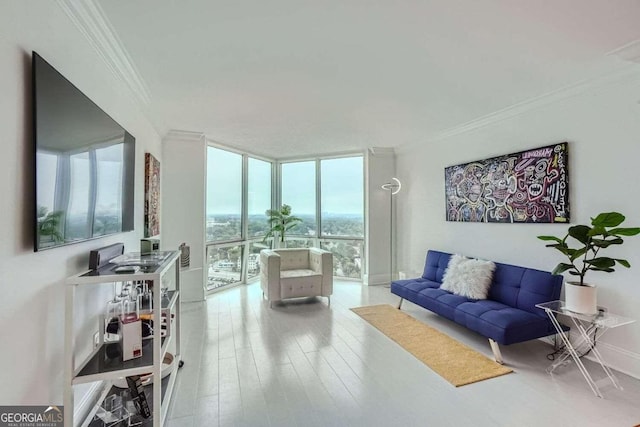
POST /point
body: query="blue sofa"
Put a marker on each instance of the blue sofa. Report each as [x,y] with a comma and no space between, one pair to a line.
[508,316]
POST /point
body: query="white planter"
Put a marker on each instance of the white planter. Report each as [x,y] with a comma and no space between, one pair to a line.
[580,299]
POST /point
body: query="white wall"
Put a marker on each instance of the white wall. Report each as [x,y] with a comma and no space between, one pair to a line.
[32,284]
[379,166]
[184,175]
[602,126]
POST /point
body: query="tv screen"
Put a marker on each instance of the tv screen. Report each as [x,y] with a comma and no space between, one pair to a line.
[84,164]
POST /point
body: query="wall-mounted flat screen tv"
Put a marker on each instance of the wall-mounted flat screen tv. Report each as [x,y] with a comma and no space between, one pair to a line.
[84,164]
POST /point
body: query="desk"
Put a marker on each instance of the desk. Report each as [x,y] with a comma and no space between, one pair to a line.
[585,324]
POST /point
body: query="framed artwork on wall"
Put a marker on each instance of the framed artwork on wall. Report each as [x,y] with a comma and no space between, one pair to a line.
[151,196]
[530,186]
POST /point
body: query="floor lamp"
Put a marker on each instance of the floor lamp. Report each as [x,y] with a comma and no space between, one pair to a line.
[393,188]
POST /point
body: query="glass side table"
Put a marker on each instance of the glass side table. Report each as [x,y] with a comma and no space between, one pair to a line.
[585,324]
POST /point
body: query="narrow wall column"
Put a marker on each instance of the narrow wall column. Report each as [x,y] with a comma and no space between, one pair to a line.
[379,169]
[184,171]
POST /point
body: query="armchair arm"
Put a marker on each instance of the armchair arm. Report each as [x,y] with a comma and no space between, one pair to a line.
[270,274]
[321,261]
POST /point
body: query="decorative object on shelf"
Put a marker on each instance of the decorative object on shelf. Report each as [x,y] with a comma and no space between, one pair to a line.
[393,188]
[151,195]
[185,252]
[145,298]
[146,379]
[580,297]
[138,396]
[149,246]
[280,221]
[100,257]
[130,330]
[529,186]
[113,411]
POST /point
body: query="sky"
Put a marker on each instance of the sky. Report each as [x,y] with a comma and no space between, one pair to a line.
[342,185]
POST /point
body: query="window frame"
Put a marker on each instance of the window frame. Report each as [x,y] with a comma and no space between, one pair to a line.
[319,237]
[244,240]
[276,200]
[318,184]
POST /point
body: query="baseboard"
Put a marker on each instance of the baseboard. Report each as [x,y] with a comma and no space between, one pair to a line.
[376,279]
[616,358]
[619,359]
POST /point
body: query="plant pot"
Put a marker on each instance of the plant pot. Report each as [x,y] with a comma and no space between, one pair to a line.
[580,298]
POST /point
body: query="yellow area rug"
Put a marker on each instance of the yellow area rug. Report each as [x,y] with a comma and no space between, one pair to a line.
[453,361]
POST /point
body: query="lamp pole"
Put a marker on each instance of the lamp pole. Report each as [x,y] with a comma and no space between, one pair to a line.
[393,188]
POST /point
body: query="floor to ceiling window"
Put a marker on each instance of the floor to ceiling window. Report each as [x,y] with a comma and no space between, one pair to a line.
[328,195]
[298,190]
[342,208]
[259,181]
[238,194]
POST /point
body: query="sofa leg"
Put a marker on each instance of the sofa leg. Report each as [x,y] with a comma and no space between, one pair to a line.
[400,303]
[328,301]
[496,351]
[271,304]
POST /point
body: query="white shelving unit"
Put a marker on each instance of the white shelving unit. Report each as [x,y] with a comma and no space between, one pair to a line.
[98,367]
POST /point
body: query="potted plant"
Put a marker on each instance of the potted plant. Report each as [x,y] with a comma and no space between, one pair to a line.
[280,221]
[586,256]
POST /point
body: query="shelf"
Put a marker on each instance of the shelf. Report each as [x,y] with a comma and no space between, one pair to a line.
[167,302]
[101,367]
[167,385]
[97,366]
[107,273]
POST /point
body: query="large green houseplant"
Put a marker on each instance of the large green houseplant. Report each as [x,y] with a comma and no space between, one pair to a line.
[586,255]
[280,221]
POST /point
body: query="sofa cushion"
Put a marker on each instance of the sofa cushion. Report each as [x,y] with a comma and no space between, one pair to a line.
[468,277]
[501,322]
[303,272]
[435,265]
[524,287]
[293,259]
[300,283]
[428,294]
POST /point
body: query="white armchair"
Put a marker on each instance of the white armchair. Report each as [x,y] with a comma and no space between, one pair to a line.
[293,273]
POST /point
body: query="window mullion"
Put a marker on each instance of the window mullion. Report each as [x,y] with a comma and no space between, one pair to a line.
[318,200]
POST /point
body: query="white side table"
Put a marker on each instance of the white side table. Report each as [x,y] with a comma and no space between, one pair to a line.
[585,324]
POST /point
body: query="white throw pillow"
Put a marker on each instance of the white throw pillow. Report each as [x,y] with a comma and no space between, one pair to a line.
[450,279]
[467,277]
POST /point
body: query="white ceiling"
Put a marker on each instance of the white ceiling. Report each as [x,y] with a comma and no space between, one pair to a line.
[295,77]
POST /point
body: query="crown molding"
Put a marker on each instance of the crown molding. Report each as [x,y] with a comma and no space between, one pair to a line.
[184,135]
[90,19]
[629,73]
[381,151]
[628,52]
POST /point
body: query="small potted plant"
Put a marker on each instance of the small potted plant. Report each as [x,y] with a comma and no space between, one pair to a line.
[604,232]
[280,221]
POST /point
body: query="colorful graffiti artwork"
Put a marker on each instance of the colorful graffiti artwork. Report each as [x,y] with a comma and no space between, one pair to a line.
[529,186]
